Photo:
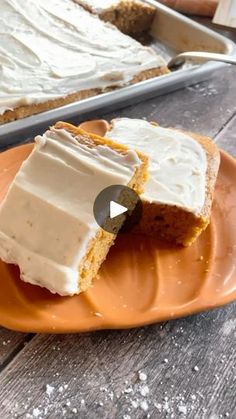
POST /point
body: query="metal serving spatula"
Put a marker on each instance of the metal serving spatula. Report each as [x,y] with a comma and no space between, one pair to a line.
[199,56]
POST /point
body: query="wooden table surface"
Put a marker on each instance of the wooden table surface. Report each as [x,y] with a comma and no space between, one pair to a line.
[188,365]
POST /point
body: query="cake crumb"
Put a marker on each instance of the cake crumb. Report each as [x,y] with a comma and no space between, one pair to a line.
[142,376]
[182,409]
[128,390]
[134,404]
[144,405]
[158,406]
[49,390]
[228,327]
[97,314]
[144,391]
[36,412]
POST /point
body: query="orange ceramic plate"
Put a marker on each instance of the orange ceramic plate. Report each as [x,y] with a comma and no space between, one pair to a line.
[141,282]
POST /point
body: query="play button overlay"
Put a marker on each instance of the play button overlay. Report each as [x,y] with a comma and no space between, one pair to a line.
[117,208]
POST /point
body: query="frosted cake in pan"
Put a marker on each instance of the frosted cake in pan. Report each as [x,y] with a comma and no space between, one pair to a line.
[55,52]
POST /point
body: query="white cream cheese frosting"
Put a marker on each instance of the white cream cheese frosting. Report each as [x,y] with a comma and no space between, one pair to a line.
[98,6]
[46,218]
[52,48]
[177,163]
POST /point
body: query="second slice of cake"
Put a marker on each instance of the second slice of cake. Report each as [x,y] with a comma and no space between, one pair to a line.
[183,170]
[182,173]
[47,226]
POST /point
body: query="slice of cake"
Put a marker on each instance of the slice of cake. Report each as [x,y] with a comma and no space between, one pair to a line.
[182,167]
[61,53]
[129,16]
[47,226]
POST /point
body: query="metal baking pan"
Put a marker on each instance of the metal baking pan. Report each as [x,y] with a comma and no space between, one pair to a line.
[185,35]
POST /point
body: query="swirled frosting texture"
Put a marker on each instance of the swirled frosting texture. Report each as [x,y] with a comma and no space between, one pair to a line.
[50,49]
[177,165]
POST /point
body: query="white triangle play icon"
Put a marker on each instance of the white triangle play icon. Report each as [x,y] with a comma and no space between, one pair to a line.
[116,209]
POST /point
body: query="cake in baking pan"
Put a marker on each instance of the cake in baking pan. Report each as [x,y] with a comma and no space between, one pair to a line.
[56,52]
[129,16]
[47,226]
[183,169]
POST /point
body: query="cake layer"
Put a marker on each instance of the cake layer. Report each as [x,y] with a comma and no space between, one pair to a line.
[129,16]
[54,52]
[47,225]
[182,172]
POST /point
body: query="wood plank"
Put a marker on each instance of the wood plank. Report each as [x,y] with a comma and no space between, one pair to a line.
[189,363]
[226,138]
[203,108]
[10,344]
